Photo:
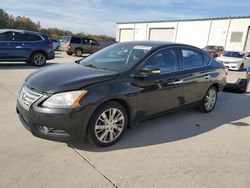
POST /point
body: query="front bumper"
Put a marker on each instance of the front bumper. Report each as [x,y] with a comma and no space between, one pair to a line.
[232,66]
[55,124]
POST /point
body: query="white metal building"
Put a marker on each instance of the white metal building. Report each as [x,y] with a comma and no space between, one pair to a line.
[230,32]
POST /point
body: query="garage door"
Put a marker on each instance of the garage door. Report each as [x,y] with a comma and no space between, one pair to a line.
[162,34]
[247,47]
[126,35]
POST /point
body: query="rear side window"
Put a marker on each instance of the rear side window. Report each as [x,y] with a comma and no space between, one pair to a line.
[19,36]
[6,36]
[191,59]
[207,59]
[76,40]
[31,37]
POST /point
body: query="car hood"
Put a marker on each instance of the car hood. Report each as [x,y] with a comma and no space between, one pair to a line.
[66,77]
[229,59]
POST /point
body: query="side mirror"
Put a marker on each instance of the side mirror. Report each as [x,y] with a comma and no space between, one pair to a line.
[149,71]
[79,60]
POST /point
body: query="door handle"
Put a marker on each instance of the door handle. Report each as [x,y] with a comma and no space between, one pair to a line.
[19,47]
[207,77]
[176,82]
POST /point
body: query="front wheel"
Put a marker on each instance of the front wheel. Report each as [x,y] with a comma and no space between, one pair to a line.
[38,59]
[209,100]
[107,124]
[241,67]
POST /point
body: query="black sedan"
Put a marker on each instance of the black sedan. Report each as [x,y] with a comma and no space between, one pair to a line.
[103,94]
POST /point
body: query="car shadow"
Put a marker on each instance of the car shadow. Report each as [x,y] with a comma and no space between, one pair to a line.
[229,111]
[21,65]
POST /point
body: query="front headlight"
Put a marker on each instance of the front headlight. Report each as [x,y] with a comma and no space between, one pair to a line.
[65,100]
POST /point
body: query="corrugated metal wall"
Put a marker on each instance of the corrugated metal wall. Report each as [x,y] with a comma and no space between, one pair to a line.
[197,33]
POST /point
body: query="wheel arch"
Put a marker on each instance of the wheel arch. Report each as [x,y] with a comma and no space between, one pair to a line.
[40,51]
[122,102]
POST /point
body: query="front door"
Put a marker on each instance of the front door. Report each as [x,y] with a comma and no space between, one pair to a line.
[163,92]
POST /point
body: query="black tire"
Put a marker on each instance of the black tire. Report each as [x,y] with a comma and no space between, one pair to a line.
[78,52]
[204,103]
[38,59]
[69,53]
[94,136]
[241,67]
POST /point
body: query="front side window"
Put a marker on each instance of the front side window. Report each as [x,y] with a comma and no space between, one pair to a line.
[233,54]
[166,60]
[19,36]
[93,42]
[118,57]
[191,59]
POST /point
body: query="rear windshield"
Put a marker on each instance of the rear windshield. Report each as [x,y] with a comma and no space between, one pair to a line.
[234,54]
[211,47]
[65,39]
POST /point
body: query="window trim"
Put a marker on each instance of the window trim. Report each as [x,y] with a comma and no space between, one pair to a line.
[139,67]
[41,37]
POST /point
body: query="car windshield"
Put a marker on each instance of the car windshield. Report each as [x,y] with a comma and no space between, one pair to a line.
[211,48]
[65,39]
[234,54]
[118,57]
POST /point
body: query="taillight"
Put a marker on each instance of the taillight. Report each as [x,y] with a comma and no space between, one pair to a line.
[69,46]
[50,44]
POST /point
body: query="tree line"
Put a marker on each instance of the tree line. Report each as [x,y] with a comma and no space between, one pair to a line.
[8,21]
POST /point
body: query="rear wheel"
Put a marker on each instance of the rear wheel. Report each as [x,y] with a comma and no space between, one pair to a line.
[69,53]
[78,52]
[38,59]
[209,100]
[107,124]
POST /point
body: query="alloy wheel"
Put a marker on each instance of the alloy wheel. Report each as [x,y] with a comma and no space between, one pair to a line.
[210,99]
[109,125]
[39,59]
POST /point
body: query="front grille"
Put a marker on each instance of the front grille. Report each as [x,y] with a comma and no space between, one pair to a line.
[28,96]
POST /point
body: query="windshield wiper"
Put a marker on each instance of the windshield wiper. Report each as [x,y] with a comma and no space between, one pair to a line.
[93,66]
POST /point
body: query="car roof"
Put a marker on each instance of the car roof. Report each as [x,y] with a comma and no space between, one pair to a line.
[20,31]
[157,44]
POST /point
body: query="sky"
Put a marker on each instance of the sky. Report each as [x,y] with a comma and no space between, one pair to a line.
[101,16]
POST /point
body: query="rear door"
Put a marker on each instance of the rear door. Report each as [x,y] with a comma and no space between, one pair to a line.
[196,75]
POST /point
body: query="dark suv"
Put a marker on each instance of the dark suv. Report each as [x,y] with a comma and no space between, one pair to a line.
[79,45]
[28,46]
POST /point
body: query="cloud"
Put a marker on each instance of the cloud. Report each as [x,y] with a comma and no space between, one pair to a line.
[100,16]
